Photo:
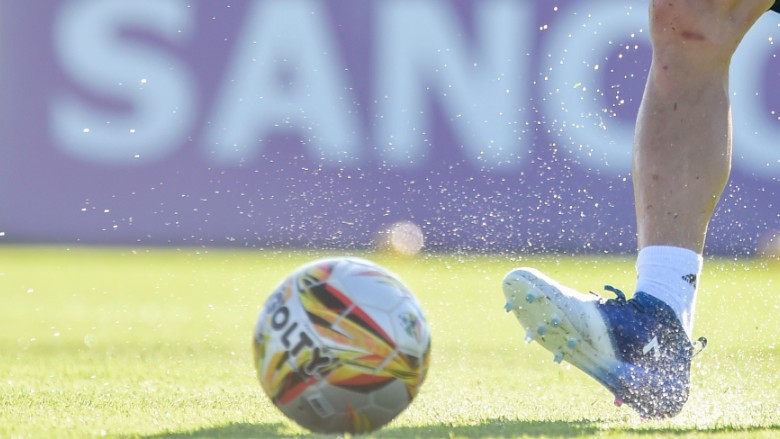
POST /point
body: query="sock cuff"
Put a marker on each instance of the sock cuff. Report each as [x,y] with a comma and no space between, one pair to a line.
[682,259]
[671,274]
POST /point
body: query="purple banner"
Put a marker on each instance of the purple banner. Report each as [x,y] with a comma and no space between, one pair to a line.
[495,125]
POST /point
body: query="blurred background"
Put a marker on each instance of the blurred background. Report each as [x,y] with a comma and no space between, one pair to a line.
[484,126]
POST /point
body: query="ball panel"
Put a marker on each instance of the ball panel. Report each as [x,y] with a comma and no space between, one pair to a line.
[413,336]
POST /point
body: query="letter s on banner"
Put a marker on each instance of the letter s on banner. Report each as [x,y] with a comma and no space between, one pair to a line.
[107,65]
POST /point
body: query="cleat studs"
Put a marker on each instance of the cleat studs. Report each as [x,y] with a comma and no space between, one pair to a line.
[530,298]
[618,402]
[572,343]
[558,357]
[509,306]
[541,330]
[528,335]
[555,322]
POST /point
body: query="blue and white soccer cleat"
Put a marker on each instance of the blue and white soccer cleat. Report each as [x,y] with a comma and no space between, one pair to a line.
[636,348]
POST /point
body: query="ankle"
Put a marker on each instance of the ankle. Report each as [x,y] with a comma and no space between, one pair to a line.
[671,274]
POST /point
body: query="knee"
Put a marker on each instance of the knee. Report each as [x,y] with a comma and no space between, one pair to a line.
[721,21]
[662,11]
[671,20]
[693,29]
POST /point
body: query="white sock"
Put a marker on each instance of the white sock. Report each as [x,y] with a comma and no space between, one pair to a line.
[670,274]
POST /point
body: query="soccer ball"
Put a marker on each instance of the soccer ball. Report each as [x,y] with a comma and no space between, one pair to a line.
[341,346]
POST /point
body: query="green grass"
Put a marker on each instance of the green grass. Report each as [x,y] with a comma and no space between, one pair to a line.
[156,343]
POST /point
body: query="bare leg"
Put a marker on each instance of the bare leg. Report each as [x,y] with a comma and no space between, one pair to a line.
[682,149]
[682,159]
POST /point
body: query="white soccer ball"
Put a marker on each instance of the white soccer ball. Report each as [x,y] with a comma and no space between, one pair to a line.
[341,346]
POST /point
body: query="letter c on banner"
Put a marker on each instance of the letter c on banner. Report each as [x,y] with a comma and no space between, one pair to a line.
[582,37]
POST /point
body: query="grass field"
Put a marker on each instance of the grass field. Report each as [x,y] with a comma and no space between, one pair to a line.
[156,343]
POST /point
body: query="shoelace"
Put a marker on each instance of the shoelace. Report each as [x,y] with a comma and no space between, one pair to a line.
[621,296]
[702,343]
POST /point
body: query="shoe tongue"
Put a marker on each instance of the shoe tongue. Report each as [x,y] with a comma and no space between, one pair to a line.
[648,303]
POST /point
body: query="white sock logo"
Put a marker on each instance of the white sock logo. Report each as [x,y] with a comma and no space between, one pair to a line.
[653,346]
[691,279]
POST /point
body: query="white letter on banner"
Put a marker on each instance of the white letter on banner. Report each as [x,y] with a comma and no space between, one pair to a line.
[756,129]
[424,55]
[287,75]
[151,93]
[577,43]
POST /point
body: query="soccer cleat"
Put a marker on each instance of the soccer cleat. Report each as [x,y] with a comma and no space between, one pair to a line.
[636,348]
[776,6]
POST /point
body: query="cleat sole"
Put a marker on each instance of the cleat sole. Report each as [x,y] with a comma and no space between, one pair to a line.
[548,309]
